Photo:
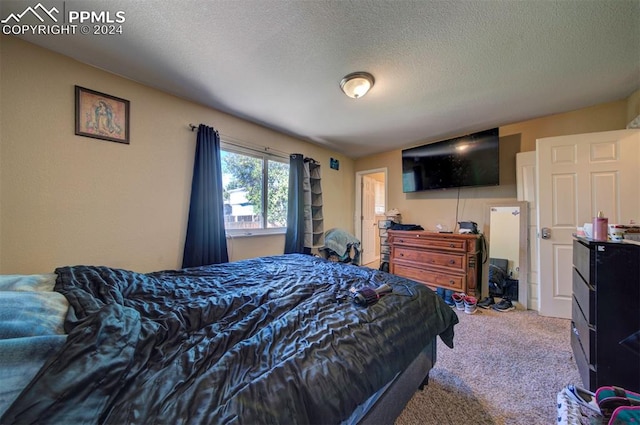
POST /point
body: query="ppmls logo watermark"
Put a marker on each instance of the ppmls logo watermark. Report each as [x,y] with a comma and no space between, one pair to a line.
[57,20]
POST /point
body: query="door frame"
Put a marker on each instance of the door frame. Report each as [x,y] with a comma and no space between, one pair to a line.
[357,217]
[526,191]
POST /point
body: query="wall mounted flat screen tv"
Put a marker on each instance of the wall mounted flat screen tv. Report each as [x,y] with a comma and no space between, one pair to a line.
[466,161]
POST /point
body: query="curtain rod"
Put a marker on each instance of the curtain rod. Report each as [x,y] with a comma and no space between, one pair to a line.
[243,144]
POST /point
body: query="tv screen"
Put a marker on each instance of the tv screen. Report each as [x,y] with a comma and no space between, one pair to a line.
[466,161]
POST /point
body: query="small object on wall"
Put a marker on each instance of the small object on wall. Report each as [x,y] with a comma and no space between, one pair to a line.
[101,116]
[334,164]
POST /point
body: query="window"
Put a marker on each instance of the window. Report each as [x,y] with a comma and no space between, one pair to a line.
[255,186]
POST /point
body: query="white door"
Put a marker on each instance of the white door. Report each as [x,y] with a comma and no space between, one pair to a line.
[577,176]
[380,175]
[526,186]
[368,242]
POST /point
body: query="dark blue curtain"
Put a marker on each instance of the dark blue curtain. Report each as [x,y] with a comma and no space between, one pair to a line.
[294,238]
[206,240]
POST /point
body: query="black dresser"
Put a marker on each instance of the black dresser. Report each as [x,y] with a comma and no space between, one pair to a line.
[606,311]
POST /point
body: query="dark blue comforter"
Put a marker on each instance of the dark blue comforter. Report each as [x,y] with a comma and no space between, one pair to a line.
[267,340]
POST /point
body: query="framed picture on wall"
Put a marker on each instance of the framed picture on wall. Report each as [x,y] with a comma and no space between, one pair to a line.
[101,116]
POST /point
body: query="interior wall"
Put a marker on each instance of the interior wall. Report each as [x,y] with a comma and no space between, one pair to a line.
[67,199]
[431,209]
[437,209]
[603,117]
[633,106]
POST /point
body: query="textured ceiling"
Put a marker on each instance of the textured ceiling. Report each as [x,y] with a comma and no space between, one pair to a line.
[442,68]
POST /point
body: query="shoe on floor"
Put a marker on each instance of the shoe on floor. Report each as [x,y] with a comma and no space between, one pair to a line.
[458,299]
[470,304]
[504,305]
[486,302]
[583,397]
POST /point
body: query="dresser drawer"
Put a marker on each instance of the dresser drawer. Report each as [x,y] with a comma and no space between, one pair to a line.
[432,243]
[430,258]
[428,277]
[587,371]
[582,259]
[585,333]
[586,298]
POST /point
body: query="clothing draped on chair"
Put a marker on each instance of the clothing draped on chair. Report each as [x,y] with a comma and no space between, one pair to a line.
[206,239]
[342,245]
[305,225]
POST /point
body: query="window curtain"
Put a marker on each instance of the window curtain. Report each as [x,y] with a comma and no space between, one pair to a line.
[305,226]
[206,239]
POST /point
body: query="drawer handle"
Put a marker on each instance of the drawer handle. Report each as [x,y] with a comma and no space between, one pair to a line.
[451,282]
[400,240]
[401,254]
[451,245]
[452,261]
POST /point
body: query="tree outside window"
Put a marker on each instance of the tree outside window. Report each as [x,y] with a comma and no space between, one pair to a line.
[255,190]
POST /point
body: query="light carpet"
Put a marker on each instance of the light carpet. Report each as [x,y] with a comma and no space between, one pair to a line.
[505,368]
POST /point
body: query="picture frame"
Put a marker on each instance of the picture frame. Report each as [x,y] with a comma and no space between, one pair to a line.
[101,116]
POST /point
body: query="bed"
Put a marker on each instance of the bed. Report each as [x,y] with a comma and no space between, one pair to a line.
[266,340]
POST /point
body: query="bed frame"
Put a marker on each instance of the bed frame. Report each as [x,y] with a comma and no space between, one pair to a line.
[387,404]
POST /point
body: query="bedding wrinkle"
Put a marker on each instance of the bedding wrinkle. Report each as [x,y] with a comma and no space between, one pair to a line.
[267,340]
[25,314]
[28,283]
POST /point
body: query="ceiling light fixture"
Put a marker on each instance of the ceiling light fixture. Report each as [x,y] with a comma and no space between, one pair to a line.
[357,84]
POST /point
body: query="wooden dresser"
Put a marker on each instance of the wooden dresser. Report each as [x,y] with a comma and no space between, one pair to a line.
[606,312]
[439,260]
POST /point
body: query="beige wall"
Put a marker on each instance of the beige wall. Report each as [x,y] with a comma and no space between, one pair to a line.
[633,106]
[432,208]
[67,199]
[604,117]
[439,207]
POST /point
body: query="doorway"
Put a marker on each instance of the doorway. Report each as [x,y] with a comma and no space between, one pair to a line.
[371,200]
